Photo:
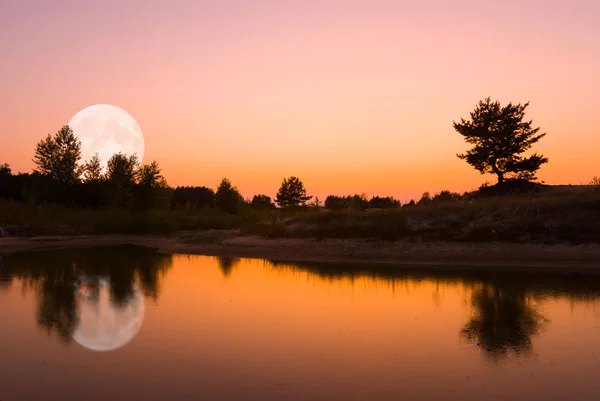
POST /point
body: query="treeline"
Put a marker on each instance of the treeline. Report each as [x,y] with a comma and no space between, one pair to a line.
[62,177]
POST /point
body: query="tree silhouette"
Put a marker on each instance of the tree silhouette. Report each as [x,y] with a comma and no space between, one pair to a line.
[192,197]
[150,175]
[499,136]
[121,169]
[92,170]
[227,197]
[388,202]
[292,193]
[5,170]
[58,156]
[425,199]
[262,202]
[151,184]
[121,174]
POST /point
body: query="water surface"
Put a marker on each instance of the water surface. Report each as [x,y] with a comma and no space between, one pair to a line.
[126,323]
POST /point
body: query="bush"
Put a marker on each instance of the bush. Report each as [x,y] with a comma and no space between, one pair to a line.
[445,196]
[383,203]
[262,202]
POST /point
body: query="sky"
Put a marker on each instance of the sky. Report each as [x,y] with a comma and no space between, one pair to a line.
[350,96]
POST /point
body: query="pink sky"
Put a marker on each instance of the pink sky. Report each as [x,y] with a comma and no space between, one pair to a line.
[351,96]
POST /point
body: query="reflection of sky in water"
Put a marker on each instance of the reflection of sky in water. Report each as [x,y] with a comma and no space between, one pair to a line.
[231,329]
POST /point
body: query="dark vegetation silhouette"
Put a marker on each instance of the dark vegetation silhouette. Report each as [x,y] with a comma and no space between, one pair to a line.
[58,156]
[67,195]
[262,202]
[192,197]
[56,278]
[227,197]
[500,135]
[292,193]
[360,202]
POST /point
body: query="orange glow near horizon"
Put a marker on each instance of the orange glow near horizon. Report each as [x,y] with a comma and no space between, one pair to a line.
[350,96]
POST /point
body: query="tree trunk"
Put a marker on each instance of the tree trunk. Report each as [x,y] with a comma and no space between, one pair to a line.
[499,173]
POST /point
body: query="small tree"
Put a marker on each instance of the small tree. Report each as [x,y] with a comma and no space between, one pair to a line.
[425,199]
[92,170]
[316,203]
[227,197]
[499,136]
[149,175]
[121,169]
[58,156]
[5,170]
[292,193]
[151,185]
[121,174]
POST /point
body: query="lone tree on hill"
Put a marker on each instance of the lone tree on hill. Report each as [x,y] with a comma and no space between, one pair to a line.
[499,136]
[58,156]
[292,193]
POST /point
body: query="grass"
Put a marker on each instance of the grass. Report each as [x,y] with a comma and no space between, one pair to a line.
[26,220]
[541,218]
[549,218]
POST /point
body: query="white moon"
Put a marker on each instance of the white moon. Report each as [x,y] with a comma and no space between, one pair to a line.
[104,326]
[106,130]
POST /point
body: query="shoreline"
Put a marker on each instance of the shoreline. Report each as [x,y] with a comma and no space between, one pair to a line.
[565,258]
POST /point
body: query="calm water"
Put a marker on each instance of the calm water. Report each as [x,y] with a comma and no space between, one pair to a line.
[129,323]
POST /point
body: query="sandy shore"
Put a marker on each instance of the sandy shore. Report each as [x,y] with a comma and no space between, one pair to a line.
[438,255]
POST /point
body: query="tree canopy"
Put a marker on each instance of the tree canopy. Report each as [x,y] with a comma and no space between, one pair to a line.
[262,202]
[92,170]
[122,169]
[292,193]
[227,197]
[58,156]
[500,135]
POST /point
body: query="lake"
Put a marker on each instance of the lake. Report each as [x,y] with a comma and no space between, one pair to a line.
[125,323]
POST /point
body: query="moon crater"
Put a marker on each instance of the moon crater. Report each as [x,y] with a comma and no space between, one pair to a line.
[105,130]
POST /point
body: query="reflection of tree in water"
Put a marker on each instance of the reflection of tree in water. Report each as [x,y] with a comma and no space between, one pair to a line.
[227,264]
[504,321]
[5,278]
[56,277]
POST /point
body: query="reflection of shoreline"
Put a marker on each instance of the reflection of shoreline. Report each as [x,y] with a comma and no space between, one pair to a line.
[435,255]
[505,319]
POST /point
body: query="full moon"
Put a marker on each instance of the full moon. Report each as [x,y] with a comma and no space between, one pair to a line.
[105,130]
[104,326]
